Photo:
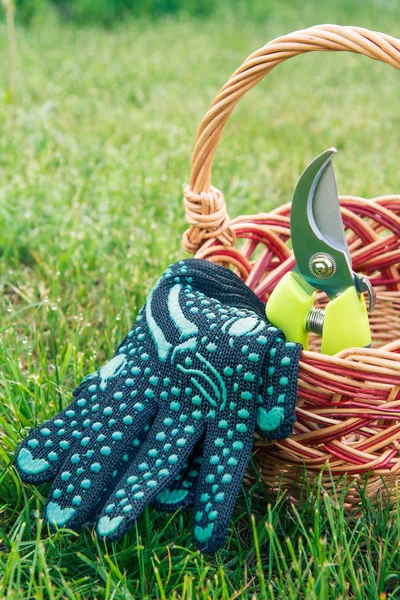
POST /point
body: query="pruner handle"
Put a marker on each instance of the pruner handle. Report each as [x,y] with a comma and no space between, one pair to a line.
[288,307]
[345,323]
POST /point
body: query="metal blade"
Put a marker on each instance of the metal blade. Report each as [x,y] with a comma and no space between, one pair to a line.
[318,238]
[324,208]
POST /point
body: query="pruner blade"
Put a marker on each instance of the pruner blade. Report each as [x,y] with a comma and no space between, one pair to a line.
[318,237]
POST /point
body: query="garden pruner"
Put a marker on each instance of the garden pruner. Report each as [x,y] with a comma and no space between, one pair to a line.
[323,263]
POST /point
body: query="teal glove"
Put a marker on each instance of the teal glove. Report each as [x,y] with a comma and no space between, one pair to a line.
[201,363]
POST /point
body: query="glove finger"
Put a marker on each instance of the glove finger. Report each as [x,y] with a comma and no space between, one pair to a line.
[92,464]
[181,493]
[43,451]
[41,454]
[278,394]
[118,472]
[155,467]
[224,462]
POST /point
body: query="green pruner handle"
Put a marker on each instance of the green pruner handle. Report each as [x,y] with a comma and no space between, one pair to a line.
[346,323]
[288,307]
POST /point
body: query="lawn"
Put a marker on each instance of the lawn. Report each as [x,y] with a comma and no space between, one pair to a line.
[94,151]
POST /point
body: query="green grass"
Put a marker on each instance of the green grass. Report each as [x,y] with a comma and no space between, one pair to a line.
[93,155]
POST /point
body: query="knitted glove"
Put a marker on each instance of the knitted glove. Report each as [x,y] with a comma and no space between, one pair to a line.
[201,363]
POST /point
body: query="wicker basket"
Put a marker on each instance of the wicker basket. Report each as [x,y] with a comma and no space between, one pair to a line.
[348,413]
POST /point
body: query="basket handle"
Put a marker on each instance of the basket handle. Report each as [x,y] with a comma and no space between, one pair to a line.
[205,205]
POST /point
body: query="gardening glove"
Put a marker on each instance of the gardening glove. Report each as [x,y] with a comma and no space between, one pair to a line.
[201,363]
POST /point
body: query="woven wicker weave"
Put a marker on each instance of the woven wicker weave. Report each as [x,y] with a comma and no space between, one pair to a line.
[348,413]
